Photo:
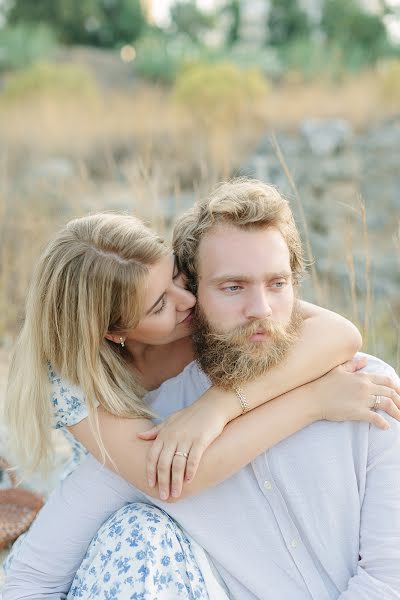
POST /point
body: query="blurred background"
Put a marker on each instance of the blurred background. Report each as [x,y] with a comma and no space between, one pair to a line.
[142,106]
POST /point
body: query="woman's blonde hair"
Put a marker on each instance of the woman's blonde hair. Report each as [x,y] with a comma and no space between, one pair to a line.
[90,280]
[242,202]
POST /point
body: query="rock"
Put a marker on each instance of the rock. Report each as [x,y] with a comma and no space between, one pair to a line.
[341,168]
[384,138]
[326,137]
[53,170]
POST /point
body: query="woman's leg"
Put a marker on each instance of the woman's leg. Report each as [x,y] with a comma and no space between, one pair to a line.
[139,553]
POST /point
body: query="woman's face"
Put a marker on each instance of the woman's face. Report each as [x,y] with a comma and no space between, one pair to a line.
[168,306]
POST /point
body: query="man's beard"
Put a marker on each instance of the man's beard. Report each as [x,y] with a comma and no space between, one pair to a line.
[231,358]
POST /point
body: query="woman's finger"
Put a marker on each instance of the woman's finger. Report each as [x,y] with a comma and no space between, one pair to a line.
[150,434]
[388,406]
[385,380]
[178,472]
[355,364]
[375,419]
[164,470]
[194,459]
[385,392]
[152,461]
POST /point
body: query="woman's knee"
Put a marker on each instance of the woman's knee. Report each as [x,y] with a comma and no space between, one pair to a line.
[137,519]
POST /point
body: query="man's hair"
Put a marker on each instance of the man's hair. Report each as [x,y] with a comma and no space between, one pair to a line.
[244,203]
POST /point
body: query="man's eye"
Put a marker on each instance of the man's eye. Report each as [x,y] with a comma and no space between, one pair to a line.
[232,288]
[280,284]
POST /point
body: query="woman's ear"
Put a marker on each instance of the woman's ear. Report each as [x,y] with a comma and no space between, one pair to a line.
[116,338]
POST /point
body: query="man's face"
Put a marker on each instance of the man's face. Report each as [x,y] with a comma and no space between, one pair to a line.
[247,316]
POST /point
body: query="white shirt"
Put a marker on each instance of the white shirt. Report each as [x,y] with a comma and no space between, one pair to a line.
[292,524]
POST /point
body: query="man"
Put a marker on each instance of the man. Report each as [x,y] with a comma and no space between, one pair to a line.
[318,515]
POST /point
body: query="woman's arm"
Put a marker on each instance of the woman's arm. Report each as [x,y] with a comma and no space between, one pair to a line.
[338,395]
[326,340]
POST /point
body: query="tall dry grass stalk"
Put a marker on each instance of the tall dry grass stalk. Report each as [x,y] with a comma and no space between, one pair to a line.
[304,222]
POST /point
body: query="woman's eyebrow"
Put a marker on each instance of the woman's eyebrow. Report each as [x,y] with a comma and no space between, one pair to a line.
[155,303]
[163,294]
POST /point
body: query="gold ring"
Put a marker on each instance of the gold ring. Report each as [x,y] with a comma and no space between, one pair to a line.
[184,454]
[377,403]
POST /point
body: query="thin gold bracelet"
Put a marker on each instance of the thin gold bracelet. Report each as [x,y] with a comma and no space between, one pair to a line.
[242,399]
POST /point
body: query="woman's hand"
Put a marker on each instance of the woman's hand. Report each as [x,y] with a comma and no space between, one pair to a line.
[346,394]
[188,431]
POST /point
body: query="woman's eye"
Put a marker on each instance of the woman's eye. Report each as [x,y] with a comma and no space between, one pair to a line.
[163,303]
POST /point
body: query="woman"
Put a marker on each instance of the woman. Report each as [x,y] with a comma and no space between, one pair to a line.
[106,309]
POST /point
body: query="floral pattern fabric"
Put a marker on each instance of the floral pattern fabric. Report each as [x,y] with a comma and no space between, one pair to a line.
[69,408]
[140,553]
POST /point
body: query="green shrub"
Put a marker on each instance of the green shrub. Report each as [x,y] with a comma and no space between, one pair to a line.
[218,94]
[349,24]
[316,58]
[105,23]
[159,58]
[23,45]
[267,59]
[49,80]
[313,59]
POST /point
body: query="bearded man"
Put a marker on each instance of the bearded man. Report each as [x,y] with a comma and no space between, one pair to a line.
[318,515]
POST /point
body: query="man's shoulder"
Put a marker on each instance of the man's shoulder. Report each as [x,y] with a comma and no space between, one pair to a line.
[362,430]
[377,365]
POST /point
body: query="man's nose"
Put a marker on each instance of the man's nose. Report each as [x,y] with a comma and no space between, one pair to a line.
[258,306]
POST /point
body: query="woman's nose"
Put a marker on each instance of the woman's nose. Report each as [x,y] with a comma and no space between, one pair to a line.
[184,298]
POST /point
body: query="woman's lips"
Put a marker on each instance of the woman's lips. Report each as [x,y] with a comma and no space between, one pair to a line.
[188,318]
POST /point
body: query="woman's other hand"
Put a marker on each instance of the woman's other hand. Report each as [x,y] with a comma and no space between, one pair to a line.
[347,394]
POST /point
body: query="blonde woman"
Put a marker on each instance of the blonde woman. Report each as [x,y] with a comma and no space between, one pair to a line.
[108,319]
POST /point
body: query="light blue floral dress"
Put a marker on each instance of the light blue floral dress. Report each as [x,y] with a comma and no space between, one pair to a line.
[69,408]
[140,553]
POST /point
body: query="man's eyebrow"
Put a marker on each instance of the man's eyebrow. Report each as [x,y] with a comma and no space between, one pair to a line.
[245,278]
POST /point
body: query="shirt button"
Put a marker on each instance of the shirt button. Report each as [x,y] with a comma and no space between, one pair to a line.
[294,543]
[267,485]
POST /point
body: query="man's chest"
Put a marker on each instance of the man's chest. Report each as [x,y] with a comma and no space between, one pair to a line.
[294,513]
[313,484]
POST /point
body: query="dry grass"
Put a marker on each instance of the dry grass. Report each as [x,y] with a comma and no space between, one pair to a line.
[129,151]
[362,99]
